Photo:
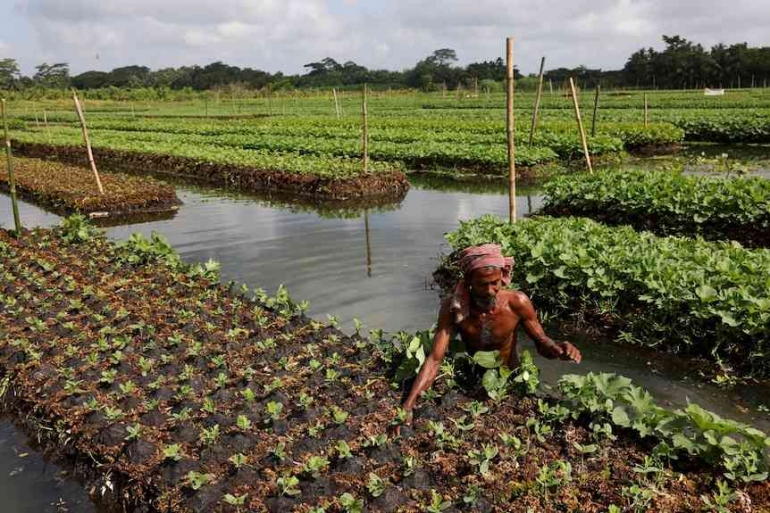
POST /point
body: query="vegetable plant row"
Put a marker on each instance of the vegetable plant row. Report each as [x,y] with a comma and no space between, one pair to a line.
[668,203]
[319,177]
[477,146]
[67,189]
[692,296]
[182,394]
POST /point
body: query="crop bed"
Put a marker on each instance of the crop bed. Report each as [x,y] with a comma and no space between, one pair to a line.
[305,176]
[702,298]
[172,392]
[668,203]
[68,189]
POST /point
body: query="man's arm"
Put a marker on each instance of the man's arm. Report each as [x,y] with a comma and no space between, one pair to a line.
[545,346]
[444,334]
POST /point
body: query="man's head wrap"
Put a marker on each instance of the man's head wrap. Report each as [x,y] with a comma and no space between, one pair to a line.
[471,259]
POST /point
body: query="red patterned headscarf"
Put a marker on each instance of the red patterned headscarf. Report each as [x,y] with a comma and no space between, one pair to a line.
[472,258]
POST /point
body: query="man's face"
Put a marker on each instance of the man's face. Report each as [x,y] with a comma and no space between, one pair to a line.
[485,283]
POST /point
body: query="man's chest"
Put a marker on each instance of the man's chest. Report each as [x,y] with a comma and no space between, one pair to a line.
[488,331]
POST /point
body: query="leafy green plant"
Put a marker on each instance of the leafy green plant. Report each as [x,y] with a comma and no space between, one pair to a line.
[483,458]
[288,485]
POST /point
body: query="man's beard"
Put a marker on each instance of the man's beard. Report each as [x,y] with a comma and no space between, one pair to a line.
[487,303]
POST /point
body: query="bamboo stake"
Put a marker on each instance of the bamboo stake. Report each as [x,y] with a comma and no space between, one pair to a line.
[269,106]
[87,140]
[537,103]
[596,108]
[550,85]
[645,111]
[510,124]
[475,87]
[45,124]
[580,126]
[336,102]
[37,120]
[365,134]
[11,177]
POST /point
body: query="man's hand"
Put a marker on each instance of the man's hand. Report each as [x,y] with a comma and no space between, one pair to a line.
[395,429]
[566,351]
[562,351]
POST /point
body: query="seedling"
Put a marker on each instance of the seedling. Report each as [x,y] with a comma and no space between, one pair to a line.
[234,500]
[483,458]
[279,451]
[437,503]
[172,452]
[376,485]
[238,460]
[196,480]
[134,432]
[315,466]
[288,486]
[274,410]
[339,415]
[209,435]
[243,422]
[351,504]
[343,450]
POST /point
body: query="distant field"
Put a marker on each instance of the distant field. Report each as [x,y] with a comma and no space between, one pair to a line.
[408,130]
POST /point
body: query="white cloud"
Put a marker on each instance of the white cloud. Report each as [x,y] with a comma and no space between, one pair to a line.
[285,34]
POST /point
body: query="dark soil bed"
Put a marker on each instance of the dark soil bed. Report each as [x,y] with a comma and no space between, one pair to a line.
[175,393]
[67,189]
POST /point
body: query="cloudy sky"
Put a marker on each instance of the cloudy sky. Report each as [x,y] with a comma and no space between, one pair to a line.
[283,35]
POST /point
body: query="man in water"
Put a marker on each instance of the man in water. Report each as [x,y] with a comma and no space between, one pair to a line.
[486,316]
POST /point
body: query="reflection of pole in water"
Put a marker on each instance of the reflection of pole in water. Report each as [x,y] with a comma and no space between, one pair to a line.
[529,204]
[368,245]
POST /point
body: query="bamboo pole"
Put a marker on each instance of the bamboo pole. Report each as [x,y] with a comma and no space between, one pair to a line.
[87,140]
[510,124]
[646,117]
[550,85]
[537,103]
[580,125]
[45,124]
[596,109]
[11,177]
[365,131]
[336,102]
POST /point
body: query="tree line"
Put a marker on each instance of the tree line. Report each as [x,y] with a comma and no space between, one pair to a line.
[681,64]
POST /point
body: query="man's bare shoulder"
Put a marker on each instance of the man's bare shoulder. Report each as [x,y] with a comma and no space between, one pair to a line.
[517,300]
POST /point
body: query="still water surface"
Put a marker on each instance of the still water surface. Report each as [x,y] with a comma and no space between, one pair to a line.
[374,265]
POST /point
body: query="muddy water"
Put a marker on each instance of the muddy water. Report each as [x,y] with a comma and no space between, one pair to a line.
[374,265]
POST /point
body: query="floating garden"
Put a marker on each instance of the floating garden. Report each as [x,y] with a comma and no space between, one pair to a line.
[707,299]
[170,391]
[67,189]
[667,203]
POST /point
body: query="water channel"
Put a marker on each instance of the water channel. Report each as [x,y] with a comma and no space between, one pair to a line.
[374,265]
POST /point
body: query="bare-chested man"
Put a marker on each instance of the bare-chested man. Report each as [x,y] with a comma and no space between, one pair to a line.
[486,316]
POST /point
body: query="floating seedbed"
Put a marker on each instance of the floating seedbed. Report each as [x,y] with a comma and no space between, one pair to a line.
[707,299]
[245,170]
[668,203]
[172,392]
[67,189]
